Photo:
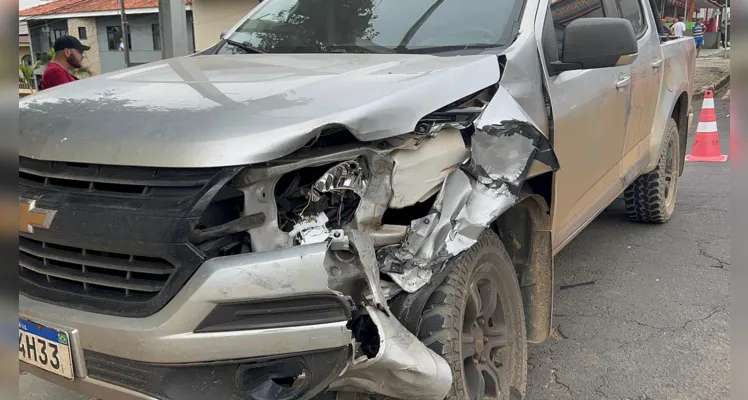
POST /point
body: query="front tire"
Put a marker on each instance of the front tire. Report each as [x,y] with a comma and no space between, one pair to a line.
[476,321]
[651,197]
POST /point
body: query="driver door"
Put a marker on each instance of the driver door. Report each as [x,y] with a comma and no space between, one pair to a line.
[590,111]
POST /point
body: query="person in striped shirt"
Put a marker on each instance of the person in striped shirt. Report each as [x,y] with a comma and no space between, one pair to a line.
[698,35]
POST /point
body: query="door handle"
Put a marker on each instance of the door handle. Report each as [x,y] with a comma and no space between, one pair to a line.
[657,64]
[623,82]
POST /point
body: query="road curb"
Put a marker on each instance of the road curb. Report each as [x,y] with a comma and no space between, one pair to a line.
[699,94]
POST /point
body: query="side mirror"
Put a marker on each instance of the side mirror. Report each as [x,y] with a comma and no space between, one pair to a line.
[591,43]
[223,34]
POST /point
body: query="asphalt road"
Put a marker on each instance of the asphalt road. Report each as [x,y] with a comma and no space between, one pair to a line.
[654,325]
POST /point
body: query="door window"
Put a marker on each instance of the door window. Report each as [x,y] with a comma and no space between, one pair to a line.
[632,11]
[566,11]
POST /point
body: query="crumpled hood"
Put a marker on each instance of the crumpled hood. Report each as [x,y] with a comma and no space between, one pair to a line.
[207,111]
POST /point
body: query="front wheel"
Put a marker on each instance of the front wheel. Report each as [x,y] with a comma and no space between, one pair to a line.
[475,320]
[651,197]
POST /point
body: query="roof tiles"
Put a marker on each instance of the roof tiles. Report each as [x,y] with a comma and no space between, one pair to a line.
[83,6]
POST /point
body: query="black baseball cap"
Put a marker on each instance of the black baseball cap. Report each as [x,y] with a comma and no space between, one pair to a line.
[69,42]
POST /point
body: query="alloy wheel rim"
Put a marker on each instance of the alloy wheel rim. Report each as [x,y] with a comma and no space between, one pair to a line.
[484,340]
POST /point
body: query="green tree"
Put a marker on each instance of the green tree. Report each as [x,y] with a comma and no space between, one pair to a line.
[26,73]
[314,25]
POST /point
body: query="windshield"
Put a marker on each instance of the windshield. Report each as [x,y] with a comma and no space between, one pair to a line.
[375,26]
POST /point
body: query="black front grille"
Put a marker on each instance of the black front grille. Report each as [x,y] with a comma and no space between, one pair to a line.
[117,181]
[82,271]
[119,241]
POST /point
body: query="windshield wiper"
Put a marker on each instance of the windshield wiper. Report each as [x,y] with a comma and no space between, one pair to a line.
[449,48]
[417,25]
[247,48]
[366,45]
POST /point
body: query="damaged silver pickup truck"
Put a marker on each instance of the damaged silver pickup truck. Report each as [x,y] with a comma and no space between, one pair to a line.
[340,199]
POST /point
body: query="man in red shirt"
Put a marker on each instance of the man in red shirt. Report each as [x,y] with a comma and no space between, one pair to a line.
[68,55]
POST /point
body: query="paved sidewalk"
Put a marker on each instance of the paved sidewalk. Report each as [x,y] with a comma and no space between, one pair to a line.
[712,70]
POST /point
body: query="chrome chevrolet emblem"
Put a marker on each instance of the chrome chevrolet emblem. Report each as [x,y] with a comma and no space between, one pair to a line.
[30,217]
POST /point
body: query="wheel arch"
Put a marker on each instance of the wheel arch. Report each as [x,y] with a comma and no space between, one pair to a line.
[680,113]
[525,230]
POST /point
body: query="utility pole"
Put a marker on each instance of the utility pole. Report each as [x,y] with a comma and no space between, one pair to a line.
[125,31]
[173,24]
[662,8]
[689,11]
[727,28]
[33,59]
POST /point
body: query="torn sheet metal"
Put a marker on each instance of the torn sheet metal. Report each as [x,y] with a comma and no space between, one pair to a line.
[389,290]
[483,206]
[373,204]
[503,147]
[403,367]
[361,244]
[347,175]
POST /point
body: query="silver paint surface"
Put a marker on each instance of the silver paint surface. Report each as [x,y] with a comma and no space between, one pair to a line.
[208,111]
[404,367]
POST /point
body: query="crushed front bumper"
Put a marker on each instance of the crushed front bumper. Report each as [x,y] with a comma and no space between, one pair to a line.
[212,340]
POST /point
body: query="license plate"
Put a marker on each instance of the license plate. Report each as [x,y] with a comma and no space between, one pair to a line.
[46,348]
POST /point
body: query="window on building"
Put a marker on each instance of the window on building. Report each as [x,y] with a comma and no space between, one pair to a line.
[82,35]
[53,34]
[632,11]
[42,57]
[566,11]
[56,33]
[156,34]
[114,38]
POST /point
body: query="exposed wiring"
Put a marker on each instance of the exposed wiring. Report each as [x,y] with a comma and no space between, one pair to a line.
[340,209]
[306,206]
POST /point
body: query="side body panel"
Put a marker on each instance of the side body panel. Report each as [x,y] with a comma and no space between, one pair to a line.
[590,115]
[679,66]
[646,79]
[582,187]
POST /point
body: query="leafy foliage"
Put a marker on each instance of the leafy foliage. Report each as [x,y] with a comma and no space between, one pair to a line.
[26,73]
[301,27]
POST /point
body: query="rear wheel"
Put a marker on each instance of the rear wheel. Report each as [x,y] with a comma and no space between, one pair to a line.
[475,320]
[651,197]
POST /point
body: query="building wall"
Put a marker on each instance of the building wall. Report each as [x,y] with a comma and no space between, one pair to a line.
[143,50]
[42,38]
[23,50]
[212,17]
[92,61]
[41,34]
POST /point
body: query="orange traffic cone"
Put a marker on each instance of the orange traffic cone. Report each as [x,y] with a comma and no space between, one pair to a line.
[706,143]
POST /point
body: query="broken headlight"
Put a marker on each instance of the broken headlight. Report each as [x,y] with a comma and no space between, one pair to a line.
[320,198]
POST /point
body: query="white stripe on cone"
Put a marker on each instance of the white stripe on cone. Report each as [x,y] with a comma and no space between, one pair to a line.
[708,103]
[707,127]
